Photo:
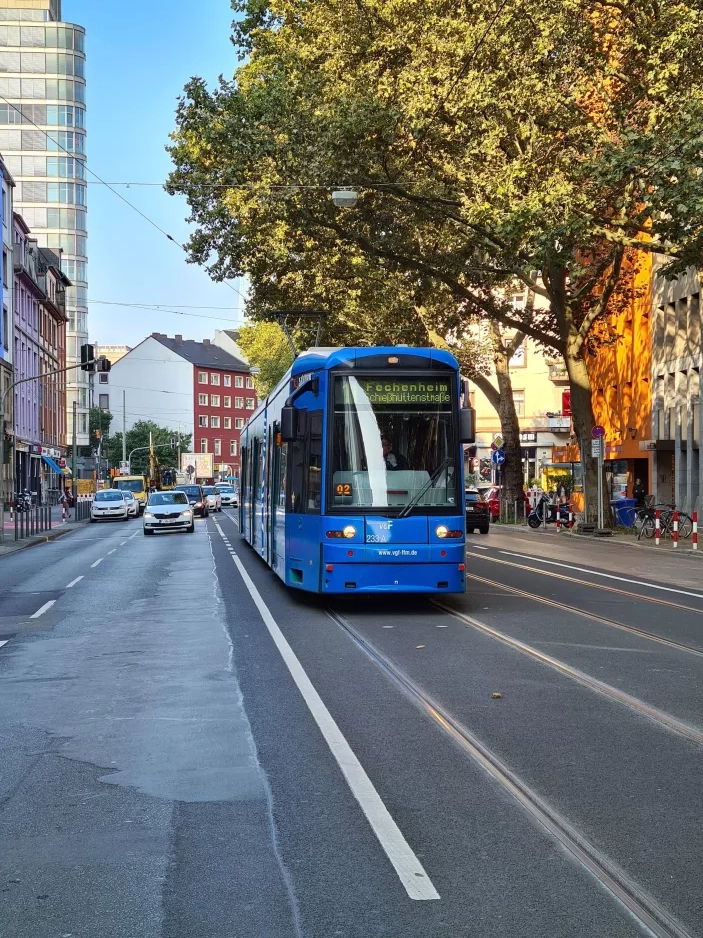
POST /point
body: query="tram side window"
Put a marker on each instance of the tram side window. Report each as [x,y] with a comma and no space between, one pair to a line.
[296,466]
[314,493]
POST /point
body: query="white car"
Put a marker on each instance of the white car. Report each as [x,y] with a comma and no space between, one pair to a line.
[213,497]
[228,494]
[132,504]
[168,511]
[109,505]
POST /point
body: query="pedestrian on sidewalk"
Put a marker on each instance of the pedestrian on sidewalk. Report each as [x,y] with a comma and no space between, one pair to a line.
[638,493]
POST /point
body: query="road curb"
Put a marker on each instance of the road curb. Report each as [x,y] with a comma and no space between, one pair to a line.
[16,546]
[609,541]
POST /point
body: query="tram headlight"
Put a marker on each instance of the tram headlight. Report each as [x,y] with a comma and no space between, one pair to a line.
[442,530]
[349,531]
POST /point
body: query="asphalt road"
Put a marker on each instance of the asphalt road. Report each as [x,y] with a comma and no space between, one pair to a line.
[189,750]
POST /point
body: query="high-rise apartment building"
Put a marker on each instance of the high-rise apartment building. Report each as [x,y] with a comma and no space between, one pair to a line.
[42,139]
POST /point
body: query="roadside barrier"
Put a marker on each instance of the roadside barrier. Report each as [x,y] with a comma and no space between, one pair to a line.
[657,526]
[35,521]
[675,533]
[695,530]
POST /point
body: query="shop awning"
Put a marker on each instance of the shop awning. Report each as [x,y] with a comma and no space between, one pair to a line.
[54,466]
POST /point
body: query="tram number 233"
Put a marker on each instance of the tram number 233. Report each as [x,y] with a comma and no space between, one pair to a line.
[343,488]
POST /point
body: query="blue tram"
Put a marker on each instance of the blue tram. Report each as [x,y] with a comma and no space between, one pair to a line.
[352,472]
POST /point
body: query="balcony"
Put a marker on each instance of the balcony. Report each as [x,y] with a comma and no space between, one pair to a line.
[558,373]
[559,424]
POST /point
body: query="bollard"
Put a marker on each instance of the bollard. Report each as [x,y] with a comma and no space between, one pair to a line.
[657,526]
[558,519]
[48,514]
[515,515]
[16,532]
[12,510]
[571,519]
[676,528]
[695,530]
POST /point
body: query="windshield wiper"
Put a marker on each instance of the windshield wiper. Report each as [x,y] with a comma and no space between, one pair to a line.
[429,484]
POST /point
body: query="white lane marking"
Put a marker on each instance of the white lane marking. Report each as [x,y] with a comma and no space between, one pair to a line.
[607,576]
[111,551]
[478,547]
[73,582]
[4,642]
[97,562]
[409,869]
[42,610]
[132,535]
[122,543]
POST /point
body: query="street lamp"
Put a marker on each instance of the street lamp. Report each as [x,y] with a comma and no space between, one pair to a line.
[346,197]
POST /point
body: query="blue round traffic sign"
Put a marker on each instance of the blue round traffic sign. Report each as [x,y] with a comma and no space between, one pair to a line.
[498,457]
[598,432]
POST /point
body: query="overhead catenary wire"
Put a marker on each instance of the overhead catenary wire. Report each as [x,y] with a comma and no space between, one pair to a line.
[108,185]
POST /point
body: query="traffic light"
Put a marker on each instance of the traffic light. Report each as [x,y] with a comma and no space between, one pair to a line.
[5,450]
[87,356]
[174,443]
[103,364]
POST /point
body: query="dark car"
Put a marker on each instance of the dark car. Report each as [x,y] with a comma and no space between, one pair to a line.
[196,497]
[478,512]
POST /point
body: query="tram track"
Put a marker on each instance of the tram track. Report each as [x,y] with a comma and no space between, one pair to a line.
[604,620]
[651,916]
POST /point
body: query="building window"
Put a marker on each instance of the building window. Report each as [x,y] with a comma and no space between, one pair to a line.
[103,378]
[233,447]
[215,422]
[202,420]
[202,377]
[227,401]
[104,401]
[238,381]
[519,401]
[227,423]
[250,383]
[203,445]
[238,423]
[250,403]
[239,402]
[227,380]
[218,447]
[214,379]
[214,400]
[202,400]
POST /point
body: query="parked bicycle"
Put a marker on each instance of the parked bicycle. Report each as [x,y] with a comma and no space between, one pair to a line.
[645,521]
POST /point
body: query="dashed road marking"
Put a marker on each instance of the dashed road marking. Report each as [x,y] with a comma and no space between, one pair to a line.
[43,609]
[4,642]
[410,871]
[111,551]
[73,582]
[100,560]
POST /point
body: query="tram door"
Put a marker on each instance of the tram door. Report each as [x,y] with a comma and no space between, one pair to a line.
[277,529]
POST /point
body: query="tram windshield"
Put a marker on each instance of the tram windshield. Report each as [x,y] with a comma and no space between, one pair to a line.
[394,442]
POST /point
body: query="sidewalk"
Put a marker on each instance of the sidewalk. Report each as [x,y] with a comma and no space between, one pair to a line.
[59,528]
[619,538]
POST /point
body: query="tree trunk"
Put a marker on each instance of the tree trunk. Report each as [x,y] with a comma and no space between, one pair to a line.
[511,472]
[583,419]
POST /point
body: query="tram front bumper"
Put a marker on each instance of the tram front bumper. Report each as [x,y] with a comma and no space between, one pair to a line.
[412,568]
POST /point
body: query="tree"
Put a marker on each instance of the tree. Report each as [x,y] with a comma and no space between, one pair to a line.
[138,438]
[99,421]
[267,348]
[556,146]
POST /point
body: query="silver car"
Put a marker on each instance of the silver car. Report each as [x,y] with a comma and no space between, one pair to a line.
[213,497]
[132,504]
[228,494]
[109,505]
[168,511]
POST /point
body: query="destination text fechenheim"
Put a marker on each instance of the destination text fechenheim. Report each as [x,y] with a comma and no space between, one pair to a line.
[398,392]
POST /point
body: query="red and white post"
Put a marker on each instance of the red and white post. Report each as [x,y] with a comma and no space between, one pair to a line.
[571,519]
[695,530]
[676,528]
[12,510]
[657,526]
[558,519]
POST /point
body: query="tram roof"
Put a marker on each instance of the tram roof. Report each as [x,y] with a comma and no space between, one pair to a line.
[322,357]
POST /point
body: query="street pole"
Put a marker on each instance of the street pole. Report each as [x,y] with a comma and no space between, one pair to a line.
[74,467]
[600,483]
[124,426]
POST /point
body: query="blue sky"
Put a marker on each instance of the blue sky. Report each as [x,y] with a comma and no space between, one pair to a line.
[140,53]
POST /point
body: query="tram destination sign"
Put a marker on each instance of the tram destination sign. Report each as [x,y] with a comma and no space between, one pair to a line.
[406,392]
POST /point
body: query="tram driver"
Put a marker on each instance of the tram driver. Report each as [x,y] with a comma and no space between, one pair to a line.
[392,460]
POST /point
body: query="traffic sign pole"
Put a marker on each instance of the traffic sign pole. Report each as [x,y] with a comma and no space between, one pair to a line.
[598,434]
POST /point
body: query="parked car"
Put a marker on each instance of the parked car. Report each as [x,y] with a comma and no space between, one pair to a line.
[478,512]
[109,505]
[196,498]
[169,511]
[132,503]
[214,499]
[492,496]
[229,494]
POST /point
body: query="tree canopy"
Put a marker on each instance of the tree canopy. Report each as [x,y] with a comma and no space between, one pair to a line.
[138,437]
[552,145]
